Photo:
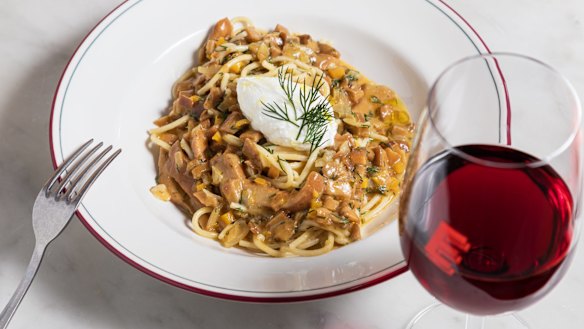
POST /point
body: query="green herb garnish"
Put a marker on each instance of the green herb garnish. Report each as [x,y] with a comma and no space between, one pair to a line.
[267,149]
[275,111]
[368,115]
[226,58]
[342,219]
[372,170]
[374,99]
[313,115]
[280,164]
[352,76]
[335,83]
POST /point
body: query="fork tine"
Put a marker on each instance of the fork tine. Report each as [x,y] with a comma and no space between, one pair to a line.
[84,172]
[75,168]
[81,193]
[64,166]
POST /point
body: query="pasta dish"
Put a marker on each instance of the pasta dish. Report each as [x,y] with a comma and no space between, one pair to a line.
[276,145]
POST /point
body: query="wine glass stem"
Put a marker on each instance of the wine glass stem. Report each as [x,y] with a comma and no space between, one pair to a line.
[474,322]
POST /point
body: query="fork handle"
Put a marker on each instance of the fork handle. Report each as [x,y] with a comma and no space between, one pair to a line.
[31,270]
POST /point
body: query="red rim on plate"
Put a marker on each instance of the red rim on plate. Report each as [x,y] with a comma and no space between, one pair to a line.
[441,6]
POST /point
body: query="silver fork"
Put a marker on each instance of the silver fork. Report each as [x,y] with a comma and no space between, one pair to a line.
[55,205]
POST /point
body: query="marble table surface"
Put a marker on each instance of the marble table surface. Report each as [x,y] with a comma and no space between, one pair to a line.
[83,285]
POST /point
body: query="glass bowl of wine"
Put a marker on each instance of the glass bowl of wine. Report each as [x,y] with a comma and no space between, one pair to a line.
[489,212]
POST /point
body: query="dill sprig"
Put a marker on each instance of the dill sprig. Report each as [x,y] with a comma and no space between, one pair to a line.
[289,87]
[275,111]
[313,115]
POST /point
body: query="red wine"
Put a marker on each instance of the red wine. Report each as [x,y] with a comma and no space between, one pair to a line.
[485,239]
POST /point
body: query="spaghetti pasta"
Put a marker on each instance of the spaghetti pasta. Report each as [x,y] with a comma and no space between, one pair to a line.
[242,189]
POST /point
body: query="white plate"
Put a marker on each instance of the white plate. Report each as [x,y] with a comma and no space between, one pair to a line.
[119,79]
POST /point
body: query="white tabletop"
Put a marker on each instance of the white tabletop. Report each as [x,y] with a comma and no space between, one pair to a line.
[82,285]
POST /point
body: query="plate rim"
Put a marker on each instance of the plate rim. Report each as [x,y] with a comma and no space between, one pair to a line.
[441,5]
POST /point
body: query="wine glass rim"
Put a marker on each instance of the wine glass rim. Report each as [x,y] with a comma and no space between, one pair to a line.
[542,161]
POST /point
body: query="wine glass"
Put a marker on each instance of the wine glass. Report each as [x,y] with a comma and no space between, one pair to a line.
[489,210]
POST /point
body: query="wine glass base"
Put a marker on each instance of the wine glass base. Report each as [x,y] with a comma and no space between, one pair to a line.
[437,316]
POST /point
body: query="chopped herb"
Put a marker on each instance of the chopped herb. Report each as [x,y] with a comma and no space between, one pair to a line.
[239,208]
[382,189]
[280,164]
[335,83]
[267,149]
[372,170]
[374,99]
[228,58]
[352,76]
[368,115]
[342,219]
